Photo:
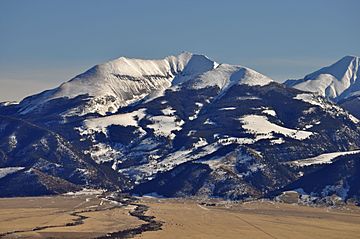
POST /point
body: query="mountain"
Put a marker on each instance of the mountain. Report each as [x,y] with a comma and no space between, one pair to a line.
[36,161]
[120,82]
[181,126]
[338,82]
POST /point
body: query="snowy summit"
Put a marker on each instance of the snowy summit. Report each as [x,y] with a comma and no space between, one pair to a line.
[124,81]
[336,82]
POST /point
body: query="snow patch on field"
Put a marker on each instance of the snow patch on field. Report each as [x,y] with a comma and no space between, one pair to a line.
[354,119]
[12,141]
[209,121]
[86,191]
[165,125]
[168,111]
[200,143]
[197,111]
[100,124]
[277,141]
[321,159]
[101,153]
[308,126]
[248,98]
[264,129]
[235,140]
[228,108]
[269,112]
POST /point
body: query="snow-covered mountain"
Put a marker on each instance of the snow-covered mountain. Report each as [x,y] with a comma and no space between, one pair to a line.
[50,164]
[123,81]
[181,126]
[338,81]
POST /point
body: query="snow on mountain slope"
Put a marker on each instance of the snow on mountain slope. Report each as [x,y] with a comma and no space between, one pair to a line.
[263,129]
[321,159]
[186,125]
[224,76]
[133,76]
[9,170]
[164,125]
[331,108]
[101,123]
[123,81]
[337,81]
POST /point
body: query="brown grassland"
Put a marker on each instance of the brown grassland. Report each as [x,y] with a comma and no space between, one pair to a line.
[51,216]
[91,216]
[187,219]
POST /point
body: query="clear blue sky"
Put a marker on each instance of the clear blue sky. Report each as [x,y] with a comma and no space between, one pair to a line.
[43,42]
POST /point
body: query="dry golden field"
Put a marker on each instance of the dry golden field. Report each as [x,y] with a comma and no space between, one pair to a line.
[90,216]
[44,217]
[188,219]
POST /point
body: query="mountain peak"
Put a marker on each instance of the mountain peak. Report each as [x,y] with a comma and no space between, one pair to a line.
[349,57]
[336,82]
[124,81]
[341,66]
[136,67]
[127,80]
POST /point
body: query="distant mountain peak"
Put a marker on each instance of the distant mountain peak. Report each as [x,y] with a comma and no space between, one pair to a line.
[350,57]
[336,82]
[341,67]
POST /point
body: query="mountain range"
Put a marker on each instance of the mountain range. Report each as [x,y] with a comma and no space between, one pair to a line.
[187,126]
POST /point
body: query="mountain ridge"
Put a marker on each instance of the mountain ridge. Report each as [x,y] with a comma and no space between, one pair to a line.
[215,130]
[124,81]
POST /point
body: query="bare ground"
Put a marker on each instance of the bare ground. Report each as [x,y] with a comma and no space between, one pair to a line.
[189,219]
[85,216]
[91,216]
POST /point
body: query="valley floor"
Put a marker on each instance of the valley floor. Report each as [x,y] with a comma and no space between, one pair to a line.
[85,216]
[91,216]
[189,219]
